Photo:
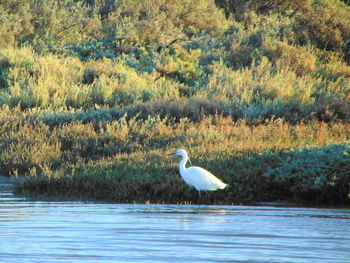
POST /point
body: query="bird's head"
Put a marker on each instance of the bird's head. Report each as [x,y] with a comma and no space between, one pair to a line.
[180,152]
[183,154]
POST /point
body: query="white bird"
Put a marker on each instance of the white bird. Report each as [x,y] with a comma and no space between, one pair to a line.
[197,177]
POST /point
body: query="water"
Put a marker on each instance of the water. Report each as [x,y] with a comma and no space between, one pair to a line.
[37,231]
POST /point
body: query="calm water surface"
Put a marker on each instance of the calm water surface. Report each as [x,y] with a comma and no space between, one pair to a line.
[36,231]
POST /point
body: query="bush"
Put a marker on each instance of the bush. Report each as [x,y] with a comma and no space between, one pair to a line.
[24,146]
[318,174]
[254,177]
[160,22]
[324,23]
[46,22]
[301,60]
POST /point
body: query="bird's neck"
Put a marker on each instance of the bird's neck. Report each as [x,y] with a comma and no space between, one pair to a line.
[182,165]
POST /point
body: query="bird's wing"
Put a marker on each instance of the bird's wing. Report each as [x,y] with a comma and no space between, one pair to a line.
[202,179]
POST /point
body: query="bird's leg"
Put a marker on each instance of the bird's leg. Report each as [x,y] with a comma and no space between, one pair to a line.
[199,198]
[208,197]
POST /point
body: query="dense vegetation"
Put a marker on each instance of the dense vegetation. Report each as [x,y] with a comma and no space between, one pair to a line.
[95,93]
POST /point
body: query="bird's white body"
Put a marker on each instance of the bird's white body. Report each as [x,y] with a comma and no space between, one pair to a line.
[197,177]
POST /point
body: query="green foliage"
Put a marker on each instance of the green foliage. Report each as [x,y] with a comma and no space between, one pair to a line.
[327,24]
[314,174]
[161,21]
[25,146]
[324,23]
[84,85]
[132,153]
[298,178]
[52,25]
[46,22]
[180,64]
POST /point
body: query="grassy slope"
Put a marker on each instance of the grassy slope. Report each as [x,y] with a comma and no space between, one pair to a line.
[93,96]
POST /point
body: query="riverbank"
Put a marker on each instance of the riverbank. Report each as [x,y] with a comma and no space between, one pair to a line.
[317,175]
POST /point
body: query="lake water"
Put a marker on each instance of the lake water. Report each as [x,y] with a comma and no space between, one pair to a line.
[37,231]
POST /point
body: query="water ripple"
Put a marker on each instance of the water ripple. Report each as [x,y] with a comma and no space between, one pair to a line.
[39,231]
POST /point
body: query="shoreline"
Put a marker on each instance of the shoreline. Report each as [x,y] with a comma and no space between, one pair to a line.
[6,183]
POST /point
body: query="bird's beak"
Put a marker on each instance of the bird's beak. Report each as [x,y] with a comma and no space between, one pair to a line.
[172,154]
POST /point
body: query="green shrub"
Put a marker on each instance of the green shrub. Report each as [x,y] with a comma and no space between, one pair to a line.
[314,174]
[301,60]
[325,23]
[335,68]
[261,84]
[180,64]
[149,177]
[46,22]
[24,146]
[160,22]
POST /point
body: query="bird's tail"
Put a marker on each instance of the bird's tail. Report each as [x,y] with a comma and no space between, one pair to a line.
[222,185]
